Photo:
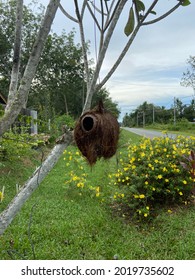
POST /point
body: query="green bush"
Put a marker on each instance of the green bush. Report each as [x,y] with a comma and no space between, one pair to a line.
[59,122]
[14,145]
[152,176]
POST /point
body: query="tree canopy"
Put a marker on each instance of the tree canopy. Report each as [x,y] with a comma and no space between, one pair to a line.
[59,85]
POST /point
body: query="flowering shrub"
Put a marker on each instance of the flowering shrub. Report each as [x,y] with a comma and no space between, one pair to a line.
[151,175]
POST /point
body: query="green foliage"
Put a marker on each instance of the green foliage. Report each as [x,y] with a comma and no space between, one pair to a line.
[15,145]
[60,123]
[130,23]
[151,176]
[185,2]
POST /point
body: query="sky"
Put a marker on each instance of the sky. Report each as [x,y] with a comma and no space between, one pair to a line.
[153,67]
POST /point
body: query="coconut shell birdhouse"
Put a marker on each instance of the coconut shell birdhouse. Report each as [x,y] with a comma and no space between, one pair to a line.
[96,134]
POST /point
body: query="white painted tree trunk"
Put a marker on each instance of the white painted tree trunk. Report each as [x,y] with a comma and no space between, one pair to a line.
[30,186]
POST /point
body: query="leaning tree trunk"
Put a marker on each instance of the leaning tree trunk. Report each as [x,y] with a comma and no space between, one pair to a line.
[30,186]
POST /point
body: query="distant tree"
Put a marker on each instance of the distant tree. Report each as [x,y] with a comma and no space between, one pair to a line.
[188,78]
[189,111]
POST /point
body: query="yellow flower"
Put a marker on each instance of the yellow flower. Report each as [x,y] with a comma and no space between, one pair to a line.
[174,147]
[166,180]
[75,178]
[146,182]
[1,196]
[184,182]
[145,215]
[141,196]
[169,211]
[147,207]
[80,185]
[180,193]
[97,189]
[159,176]
[132,160]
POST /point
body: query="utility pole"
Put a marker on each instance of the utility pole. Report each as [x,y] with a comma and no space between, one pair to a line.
[144,119]
[153,117]
[174,119]
[137,118]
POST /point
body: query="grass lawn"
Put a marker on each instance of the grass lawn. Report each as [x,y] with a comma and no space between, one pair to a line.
[62,221]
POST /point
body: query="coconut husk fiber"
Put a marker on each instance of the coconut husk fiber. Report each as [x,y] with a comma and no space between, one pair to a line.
[96,134]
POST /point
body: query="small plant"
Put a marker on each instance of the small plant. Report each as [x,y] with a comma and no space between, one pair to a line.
[2,194]
[189,165]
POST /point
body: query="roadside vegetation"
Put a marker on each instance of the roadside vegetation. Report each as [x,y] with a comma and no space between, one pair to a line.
[74,214]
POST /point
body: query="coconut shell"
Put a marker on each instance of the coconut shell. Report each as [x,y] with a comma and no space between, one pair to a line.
[96,134]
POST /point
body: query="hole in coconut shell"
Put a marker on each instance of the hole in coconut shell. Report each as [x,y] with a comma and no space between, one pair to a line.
[88,123]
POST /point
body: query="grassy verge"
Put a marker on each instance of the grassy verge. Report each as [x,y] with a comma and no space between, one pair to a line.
[185,129]
[61,221]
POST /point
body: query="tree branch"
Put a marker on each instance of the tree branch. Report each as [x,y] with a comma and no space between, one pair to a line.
[102,53]
[83,42]
[83,8]
[163,16]
[94,17]
[16,204]
[67,14]
[120,58]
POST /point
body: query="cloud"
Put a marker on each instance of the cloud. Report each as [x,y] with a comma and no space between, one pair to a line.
[153,67]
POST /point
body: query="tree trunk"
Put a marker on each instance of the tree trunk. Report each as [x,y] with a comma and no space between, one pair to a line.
[30,186]
[16,57]
[21,95]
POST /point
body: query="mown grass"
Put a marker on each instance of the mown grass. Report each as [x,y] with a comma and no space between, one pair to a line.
[61,222]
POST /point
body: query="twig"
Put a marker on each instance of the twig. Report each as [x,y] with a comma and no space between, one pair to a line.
[163,16]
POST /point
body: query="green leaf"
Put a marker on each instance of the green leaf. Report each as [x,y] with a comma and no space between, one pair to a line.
[185,3]
[153,12]
[140,5]
[130,23]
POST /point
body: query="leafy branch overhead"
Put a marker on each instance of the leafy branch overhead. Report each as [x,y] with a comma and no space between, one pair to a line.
[106,15]
[137,11]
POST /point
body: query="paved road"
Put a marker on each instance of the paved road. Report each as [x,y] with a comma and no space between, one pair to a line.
[149,133]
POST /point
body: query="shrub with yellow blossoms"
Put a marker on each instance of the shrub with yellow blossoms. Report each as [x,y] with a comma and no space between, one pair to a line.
[152,176]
